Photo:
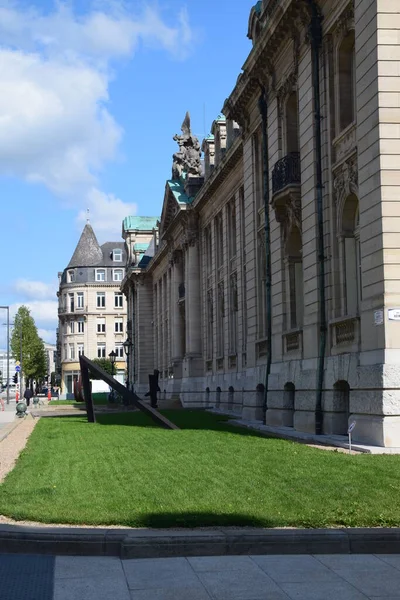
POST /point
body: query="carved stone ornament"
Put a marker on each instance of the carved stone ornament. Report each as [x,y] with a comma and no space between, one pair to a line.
[286,89]
[345,183]
[345,23]
[288,214]
[187,159]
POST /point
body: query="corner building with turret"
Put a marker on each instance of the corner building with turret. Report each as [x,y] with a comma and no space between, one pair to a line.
[277,267]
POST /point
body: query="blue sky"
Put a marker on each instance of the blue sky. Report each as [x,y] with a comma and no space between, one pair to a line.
[91,94]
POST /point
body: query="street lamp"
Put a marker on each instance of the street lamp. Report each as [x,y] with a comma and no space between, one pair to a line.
[112,356]
[127,347]
[7,308]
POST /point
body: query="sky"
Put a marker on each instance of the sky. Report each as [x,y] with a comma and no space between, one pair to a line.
[91,94]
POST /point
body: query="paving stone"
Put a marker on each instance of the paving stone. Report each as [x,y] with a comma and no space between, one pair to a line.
[376,582]
[26,577]
[322,591]
[360,562]
[239,585]
[295,569]
[220,563]
[153,573]
[108,588]
[88,566]
[181,593]
[390,559]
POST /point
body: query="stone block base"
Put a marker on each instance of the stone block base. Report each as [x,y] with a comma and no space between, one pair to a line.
[280,417]
[376,430]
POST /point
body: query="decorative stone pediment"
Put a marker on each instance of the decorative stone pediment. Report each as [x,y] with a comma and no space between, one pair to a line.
[170,210]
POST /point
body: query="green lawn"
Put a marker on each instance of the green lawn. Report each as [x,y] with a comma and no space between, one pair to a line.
[123,470]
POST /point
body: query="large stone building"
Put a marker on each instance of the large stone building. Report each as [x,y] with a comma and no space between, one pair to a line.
[91,307]
[301,299]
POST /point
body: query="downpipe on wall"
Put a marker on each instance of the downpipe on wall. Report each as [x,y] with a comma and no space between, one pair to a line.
[315,33]
[263,107]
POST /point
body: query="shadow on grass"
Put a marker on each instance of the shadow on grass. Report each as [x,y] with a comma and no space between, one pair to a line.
[184,419]
[200,519]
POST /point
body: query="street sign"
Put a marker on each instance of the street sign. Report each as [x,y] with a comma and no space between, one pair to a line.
[17,368]
[351,427]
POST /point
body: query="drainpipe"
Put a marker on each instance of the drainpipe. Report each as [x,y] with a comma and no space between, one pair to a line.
[315,32]
[263,107]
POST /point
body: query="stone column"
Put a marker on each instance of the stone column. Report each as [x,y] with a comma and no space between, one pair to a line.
[177,279]
[193,304]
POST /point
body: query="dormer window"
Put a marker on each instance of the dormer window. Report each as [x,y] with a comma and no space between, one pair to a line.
[100,275]
[117,255]
[71,276]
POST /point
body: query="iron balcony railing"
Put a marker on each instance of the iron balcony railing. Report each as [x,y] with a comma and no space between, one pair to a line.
[286,172]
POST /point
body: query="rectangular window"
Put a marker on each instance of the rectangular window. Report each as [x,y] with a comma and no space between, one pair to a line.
[72,351]
[219,238]
[79,300]
[119,326]
[117,274]
[101,325]
[81,326]
[118,301]
[71,302]
[100,275]
[72,326]
[101,300]
[101,350]
[80,350]
[65,352]
[71,276]
[117,255]
[119,350]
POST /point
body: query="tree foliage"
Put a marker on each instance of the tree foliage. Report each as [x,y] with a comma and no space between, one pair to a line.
[25,337]
[103,363]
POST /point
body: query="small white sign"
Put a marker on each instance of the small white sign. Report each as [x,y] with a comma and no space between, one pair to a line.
[351,427]
[394,314]
[378,317]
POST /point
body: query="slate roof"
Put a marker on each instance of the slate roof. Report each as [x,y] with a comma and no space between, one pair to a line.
[140,223]
[107,248]
[88,252]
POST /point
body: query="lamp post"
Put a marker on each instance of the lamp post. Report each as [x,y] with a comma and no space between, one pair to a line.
[127,349]
[7,308]
[112,356]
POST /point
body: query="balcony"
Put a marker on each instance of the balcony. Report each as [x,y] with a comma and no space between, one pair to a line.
[72,310]
[286,172]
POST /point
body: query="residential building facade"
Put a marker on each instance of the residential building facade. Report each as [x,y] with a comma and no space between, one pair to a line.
[91,307]
[274,290]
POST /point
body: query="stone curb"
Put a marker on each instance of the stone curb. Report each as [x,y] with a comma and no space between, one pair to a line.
[151,543]
[10,428]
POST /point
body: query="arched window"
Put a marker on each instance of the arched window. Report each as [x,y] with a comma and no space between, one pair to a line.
[294,280]
[351,256]
[292,124]
[288,402]
[346,80]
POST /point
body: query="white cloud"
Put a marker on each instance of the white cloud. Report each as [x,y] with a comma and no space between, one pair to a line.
[106,213]
[35,289]
[56,127]
[47,335]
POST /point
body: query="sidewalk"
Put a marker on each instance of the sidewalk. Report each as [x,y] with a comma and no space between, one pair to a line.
[7,416]
[296,577]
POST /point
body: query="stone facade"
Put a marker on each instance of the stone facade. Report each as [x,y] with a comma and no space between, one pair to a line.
[91,307]
[303,300]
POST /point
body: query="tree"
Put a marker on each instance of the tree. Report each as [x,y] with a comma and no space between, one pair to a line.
[25,337]
[103,363]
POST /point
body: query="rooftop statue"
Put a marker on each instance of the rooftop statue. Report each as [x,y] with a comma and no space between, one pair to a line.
[187,159]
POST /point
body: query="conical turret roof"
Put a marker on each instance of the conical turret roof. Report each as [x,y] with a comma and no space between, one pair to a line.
[88,252]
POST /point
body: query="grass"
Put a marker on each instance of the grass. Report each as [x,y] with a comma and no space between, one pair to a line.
[99,398]
[123,470]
